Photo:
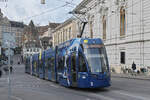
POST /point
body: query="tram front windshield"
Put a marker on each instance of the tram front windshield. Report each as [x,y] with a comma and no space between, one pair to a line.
[96,57]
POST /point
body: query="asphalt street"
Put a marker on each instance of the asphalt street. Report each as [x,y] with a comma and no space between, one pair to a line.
[26,87]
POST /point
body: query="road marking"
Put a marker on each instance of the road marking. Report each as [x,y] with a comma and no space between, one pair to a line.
[88,99]
[38,79]
[131,95]
[2,79]
[54,86]
[102,97]
[17,98]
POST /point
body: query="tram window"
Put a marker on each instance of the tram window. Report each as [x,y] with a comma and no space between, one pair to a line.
[53,62]
[73,62]
[49,62]
[46,63]
[34,64]
[82,47]
[82,64]
[61,63]
[67,62]
[41,63]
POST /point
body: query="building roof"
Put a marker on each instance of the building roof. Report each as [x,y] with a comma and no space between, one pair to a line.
[65,23]
[42,29]
[32,44]
[16,24]
[53,25]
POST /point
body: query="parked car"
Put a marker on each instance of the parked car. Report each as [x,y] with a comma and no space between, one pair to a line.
[5,62]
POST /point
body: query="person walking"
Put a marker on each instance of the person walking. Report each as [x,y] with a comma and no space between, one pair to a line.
[133,66]
[134,69]
[11,68]
[0,73]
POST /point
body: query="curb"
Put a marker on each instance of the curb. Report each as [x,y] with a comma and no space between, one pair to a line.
[137,78]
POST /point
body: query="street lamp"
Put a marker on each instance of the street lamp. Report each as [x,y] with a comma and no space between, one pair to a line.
[42,1]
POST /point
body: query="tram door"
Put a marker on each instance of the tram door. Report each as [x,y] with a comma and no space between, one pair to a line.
[46,69]
[52,69]
[73,70]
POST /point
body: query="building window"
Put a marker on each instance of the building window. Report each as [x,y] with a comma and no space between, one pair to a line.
[122,57]
[122,22]
[34,49]
[58,38]
[63,35]
[27,50]
[70,33]
[104,27]
[91,27]
[66,33]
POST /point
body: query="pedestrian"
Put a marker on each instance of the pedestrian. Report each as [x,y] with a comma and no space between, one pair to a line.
[0,73]
[11,69]
[133,66]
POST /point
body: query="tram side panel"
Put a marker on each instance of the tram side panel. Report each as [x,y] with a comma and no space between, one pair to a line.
[27,65]
[50,65]
[42,66]
[33,65]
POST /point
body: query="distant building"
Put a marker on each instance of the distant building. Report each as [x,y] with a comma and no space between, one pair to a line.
[46,38]
[32,44]
[30,48]
[13,27]
[65,31]
[17,28]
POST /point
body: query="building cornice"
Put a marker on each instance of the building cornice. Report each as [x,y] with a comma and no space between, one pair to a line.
[70,20]
[82,5]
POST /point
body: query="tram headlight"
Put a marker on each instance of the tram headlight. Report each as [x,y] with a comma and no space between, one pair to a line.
[83,77]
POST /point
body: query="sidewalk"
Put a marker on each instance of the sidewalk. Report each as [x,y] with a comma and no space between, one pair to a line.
[129,76]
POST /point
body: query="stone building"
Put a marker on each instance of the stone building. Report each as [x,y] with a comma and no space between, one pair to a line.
[124,27]
[14,27]
[65,31]
[46,37]
[32,44]
[17,28]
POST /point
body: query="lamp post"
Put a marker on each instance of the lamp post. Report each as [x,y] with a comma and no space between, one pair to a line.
[42,1]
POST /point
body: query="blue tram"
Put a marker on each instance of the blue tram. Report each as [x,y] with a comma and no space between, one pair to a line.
[27,65]
[79,62]
[35,64]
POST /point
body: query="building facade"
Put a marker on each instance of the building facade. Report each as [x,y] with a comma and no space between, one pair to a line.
[31,44]
[30,48]
[124,27]
[46,37]
[15,28]
[65,31]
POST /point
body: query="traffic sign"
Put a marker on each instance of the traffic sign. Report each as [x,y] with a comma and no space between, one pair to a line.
[11,52]
[8,40]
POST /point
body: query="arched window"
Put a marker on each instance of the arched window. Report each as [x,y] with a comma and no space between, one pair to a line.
[122,21]
[104,27]
[91,26]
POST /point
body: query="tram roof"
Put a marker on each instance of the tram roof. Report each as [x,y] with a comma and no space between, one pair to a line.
[81,41]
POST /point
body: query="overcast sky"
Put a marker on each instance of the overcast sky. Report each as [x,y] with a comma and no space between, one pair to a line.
[25,10]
